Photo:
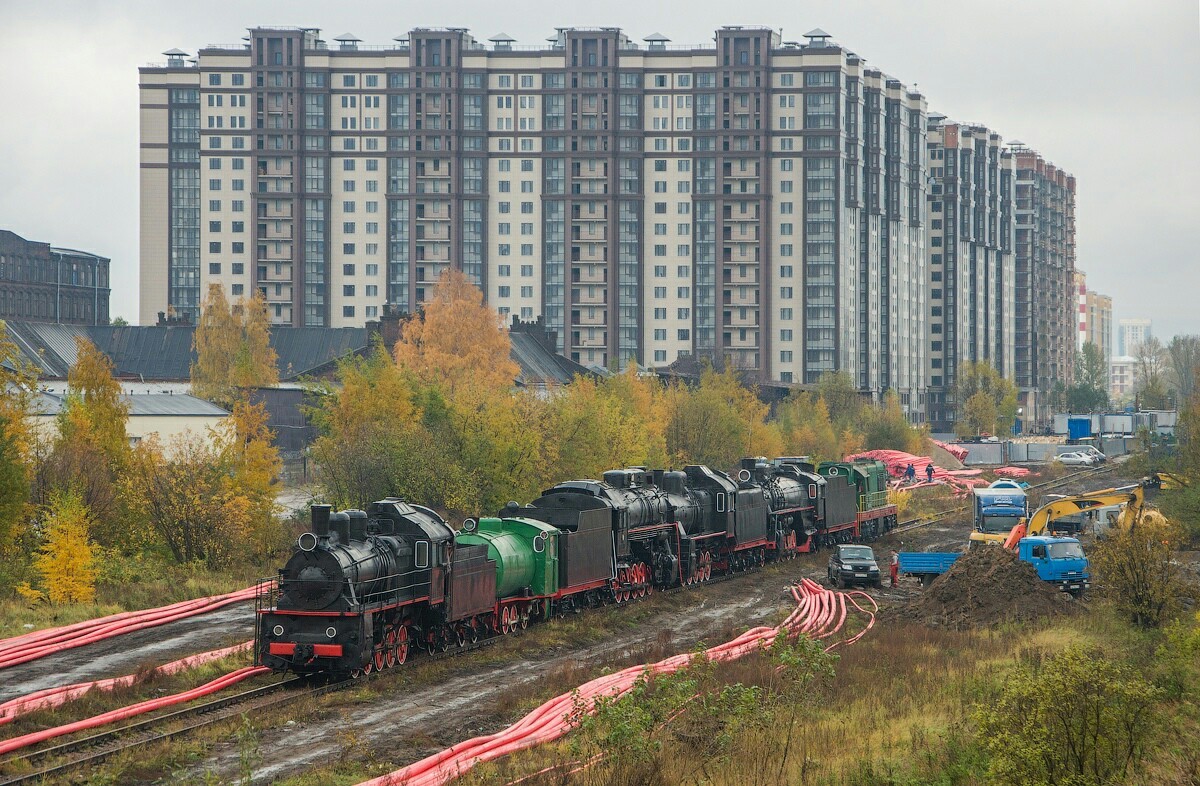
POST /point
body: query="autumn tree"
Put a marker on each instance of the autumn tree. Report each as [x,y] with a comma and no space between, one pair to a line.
[67,559]
[594,430]
[457,342]
[718,422]
[1150,374]
[253,466]
[18,391]
[807,428]
[1183,353]
[373,440]
[974,378]
[233,348]
[91,447]
[842,398]
[885,427]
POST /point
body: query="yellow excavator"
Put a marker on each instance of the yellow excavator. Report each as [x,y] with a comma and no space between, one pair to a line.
[1042,519]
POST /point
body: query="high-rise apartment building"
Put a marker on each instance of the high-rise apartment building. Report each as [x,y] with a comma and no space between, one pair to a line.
[1133,332]
[1095,317]
[1046,299]
[753,199]
[971,264]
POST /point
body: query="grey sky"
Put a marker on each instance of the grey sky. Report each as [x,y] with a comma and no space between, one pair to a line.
[1108,90]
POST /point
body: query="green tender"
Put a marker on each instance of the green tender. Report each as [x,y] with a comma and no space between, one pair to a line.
[525,552]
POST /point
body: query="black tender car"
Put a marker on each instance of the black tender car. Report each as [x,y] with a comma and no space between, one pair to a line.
[851,564]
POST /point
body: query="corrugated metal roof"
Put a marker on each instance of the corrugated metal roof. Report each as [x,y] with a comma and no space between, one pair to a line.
[165,352]
[143,405]
[540,366]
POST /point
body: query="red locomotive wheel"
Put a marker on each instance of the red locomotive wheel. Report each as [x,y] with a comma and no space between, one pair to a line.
[402,644]
[368,667]
[389,647]
[506,620]
[380,655]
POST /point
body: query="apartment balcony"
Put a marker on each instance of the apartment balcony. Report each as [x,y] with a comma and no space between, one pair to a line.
[270,255]
[434,233]
[582,319]
[270,232]
[589,274]
[597,296]
[738,257]
[597,234]
[750,214]
[745,234]
[583,254]
[267,209]
[579,214]
[267,274]
[270,167]
[733,297]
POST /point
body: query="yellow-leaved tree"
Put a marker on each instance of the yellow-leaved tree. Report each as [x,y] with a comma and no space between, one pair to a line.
[373,441]
[806,427]
[209,497]
[18,391]
[254,465]
[457,343]
[718,423]
[92,448]
[67,559]
[233,348]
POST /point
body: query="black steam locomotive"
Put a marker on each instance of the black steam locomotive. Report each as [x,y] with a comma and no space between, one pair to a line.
[364,587]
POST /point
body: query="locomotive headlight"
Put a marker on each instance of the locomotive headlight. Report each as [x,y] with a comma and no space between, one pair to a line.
[277,630]
[331,632]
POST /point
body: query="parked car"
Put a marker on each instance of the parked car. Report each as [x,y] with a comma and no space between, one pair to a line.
[1075,459]
[1094,452]
[852,564]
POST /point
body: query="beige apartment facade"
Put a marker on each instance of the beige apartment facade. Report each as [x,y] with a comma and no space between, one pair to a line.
[750,199]
[972,276]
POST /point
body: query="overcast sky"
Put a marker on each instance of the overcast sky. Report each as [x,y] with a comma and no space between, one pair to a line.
[1108,90]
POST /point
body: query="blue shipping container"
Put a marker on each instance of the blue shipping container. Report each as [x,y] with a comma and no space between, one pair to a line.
[1078,428]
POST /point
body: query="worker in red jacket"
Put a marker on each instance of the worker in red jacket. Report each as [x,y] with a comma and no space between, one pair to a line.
[895,568]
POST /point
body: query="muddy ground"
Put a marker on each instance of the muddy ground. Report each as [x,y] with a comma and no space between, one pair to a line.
[125,654]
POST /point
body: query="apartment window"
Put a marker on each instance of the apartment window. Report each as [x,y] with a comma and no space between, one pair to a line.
[526,207]
[214,205]
[347,290]
[683,313]
[214,248]
[348,249]
[504,270]
[660,292]
[526,249]
[239,185]
[660,313]
[660,207]
[660,271]
[660,251]
[238,248]
[785,271]
[348,227]
[785,313]
[785,334]
[214,185]
[526,271]
[348,270]
[504,228]
[660,355]
[237,268]
[504,249]
[347,311]
[505,291]
[238,289]
[214,268]
[685,334]
[526,291]
[372,270]
[785,293]
[683,292]
[238,206]
[785,356]
[683,271]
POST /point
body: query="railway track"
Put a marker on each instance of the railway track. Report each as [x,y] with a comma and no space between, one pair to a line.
[95,748]
[1049,485]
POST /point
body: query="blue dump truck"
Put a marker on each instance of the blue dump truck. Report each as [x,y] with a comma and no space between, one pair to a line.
[1060,561]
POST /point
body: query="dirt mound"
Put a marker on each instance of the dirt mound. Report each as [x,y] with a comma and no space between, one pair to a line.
[985,586]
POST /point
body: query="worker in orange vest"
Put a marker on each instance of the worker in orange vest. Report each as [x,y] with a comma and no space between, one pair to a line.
[895,568]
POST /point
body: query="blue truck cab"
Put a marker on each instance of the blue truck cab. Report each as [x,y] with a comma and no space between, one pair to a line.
[999,507]
[1060,561]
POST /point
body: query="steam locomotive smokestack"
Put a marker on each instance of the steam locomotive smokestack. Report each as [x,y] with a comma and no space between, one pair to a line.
[320,520]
